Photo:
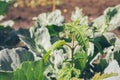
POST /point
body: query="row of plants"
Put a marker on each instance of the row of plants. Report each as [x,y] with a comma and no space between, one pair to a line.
[33,4]
[56,50]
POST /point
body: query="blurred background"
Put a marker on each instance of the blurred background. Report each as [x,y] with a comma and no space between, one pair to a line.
[22,11]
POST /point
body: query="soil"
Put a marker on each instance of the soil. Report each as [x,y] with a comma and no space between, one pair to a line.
[92,8]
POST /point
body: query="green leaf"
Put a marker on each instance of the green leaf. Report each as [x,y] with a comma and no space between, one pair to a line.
[53,47]
[37,39]
[101,65]
[3,7]
[64,74]
[67,73]
[98,76]
[101,41]
[82,37]
[76,79]
[27,40]
[110,37]
[30,71]
[10,59]
[80,60]
[54,32]
[117,56]
[98,46]
[6,75]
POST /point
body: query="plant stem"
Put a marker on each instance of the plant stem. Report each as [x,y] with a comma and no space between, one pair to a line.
[73,40]
[54,5]
[72,48]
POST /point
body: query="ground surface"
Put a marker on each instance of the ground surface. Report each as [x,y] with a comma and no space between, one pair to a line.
[92,8]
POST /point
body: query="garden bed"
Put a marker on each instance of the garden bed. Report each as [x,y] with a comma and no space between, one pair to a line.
[92,8]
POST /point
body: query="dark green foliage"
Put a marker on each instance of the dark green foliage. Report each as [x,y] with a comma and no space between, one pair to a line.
[100,66]
[80,60]
[8,37]
[4,7]
[6,75]
[117,56]
[100,43]
[54,32]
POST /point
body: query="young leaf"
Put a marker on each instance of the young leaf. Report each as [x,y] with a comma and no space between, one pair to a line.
[78,15]
[82,37]
[68,73]
[97,76]
[53,47]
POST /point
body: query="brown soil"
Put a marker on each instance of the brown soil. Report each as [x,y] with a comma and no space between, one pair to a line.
[92,8]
